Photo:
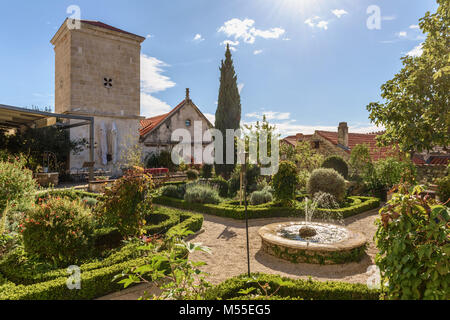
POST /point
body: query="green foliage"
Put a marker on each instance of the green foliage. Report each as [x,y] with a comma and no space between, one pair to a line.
[59,231]
[221,185]
[444,189]
[171,270]
[415,114]
[412,239]
[303,177]
[28,280]
[233,210]
[32,143]
[285,182]
[207,171]
[192,174]
[252,175]
[17,186]
[329,181]
[338,164]
[260,197]
[228,114]
[173,191]
[389,172]
[254,131]
[127,203]
[160,160]
[283,287]
[360,161]
[199,193]
[303,155]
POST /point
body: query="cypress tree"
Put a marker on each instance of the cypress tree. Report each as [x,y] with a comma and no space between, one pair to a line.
[228,114]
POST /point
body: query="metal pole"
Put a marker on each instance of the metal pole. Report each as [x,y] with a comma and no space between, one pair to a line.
[91,149]
[246,216]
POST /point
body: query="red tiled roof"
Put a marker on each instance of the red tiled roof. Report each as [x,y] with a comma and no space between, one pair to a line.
[418,160]
[107,26]
[439,160]
[359,138]
[294,139]
[149,124]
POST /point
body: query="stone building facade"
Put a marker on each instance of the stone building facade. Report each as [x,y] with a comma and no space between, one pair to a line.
[156,132]
[97,73]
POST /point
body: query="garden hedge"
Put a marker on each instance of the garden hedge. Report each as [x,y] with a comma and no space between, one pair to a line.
[268,210]
[288,288]
[20,282]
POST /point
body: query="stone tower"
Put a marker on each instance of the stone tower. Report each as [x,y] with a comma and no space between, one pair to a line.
[97,73]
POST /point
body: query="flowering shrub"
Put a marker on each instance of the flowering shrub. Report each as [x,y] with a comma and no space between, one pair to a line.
[58,230]
[17,186]
[127,203]
[412,239]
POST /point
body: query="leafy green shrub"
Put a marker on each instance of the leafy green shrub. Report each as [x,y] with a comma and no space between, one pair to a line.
[160,160]
[290,288]
[338,164]
[389,172]
[444,189]
[303,177]
[173,191]
[127,203]
[252,174]
[221,184]
[90,202]
[412,239]
[201,194]
[260,197]
[17,186]
[58,230]
[207,171]
[329,181]
[285,182]
[192,174]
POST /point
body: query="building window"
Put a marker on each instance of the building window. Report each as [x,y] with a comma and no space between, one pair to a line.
[316,144]
[188,123]
[107,82]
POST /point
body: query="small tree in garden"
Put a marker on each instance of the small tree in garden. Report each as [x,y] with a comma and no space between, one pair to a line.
[17,186]
[285,181]
[338,164]
[128,202]
[360,161]
[412,239]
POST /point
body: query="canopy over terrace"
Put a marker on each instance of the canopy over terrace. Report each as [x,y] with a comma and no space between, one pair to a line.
[19,118]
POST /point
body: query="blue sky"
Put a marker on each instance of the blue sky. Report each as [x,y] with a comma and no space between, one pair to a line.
[307,64]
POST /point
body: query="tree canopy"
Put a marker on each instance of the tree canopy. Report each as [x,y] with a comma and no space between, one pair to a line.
[416,111]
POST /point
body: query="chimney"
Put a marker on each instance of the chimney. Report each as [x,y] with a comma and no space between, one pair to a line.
[343,134]
[187,95]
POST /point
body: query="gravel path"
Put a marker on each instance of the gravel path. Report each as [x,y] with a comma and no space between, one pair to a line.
[227,240]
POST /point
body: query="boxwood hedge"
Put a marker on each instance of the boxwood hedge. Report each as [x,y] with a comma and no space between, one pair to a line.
[233,210]
[286,288]
[19,281]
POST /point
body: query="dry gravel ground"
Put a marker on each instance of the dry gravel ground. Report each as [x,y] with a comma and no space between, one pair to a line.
[227,240]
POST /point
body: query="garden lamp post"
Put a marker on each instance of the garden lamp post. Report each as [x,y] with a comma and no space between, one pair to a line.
[244,169]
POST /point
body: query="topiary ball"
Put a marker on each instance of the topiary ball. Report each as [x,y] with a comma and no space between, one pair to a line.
[337,163]
[329,181]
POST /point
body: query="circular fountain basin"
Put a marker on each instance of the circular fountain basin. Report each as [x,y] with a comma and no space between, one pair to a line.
[331,245]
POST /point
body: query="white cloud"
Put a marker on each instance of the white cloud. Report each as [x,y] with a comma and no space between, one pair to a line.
[153,81]
[198,38]
[314,22]
[270,115]
[149,36]
[414,26]
[245,30]
[416,52]
[151,106]
[211,117]
[256,52]
[286,39]
[240,87]
[339,12]
[402,34]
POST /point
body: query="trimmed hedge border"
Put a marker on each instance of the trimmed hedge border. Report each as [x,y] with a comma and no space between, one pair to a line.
[229,210]
[96,276]
[291,289]
[69,193]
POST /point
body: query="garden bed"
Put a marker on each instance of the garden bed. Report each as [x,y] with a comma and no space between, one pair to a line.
[232,209]
[282,288]
[21,279]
